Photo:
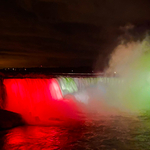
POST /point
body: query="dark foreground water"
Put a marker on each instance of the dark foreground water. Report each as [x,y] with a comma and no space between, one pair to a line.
[104,133]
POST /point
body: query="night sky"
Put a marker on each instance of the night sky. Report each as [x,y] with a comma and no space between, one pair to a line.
[67,33]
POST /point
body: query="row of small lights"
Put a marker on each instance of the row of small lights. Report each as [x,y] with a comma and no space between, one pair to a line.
[14,69]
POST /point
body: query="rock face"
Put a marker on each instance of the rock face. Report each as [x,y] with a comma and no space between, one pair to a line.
[9,119]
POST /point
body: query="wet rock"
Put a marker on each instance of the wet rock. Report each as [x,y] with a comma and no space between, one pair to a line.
[10,119]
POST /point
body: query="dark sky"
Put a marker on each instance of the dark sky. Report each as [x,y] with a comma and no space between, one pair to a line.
[66,32]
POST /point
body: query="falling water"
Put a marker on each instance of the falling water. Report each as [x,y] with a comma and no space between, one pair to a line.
[39,101]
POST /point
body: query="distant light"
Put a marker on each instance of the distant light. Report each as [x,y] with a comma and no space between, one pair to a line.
[13,68]
[115,72]
[8,68]
[71,70]
[25,69]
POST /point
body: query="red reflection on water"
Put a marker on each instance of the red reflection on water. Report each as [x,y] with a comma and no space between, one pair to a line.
[41,138]
[38,100]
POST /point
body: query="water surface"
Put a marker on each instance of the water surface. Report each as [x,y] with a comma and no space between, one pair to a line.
[103,133]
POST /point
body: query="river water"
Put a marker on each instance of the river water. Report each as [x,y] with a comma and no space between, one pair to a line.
[102,133]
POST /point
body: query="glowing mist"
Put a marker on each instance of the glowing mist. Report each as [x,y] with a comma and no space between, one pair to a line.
[132,64]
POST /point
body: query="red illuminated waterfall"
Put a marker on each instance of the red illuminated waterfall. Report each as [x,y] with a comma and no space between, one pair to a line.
[38,100]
